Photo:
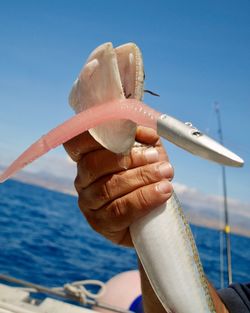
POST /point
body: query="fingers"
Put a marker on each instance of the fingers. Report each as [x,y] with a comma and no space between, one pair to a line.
[85,143]
[113,219]
[111,187]
[116,190]
[99,163]
[147,136]
[80,145]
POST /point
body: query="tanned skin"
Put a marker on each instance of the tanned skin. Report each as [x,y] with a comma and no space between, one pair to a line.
[123,189]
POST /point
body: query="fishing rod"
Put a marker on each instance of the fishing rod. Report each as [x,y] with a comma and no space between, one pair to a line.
[226,229]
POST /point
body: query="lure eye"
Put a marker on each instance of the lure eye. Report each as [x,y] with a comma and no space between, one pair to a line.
[197,133]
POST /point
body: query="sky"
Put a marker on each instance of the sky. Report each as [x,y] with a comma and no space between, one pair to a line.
[195,53]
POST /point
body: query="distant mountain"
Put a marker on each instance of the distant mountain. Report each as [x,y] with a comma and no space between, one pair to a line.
[208,210]
[46,180]
[200,208]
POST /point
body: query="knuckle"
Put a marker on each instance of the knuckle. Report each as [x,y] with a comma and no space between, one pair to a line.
[111,186]
[87,200]
[89,160]
[143,200]
[118,209]
[77,184]
[143,175]
[81,203]
[114,182]
[137,156]
[148,175]
[106,189]
[89,164]
[97,219]
[85,172]
[93,220]
[73,150]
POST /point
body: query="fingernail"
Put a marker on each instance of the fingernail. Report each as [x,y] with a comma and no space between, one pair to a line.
[151,155]
[164,187]
[123,161]
[165,169]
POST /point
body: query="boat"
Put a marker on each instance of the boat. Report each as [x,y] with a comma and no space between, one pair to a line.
[18,300]
[25,297]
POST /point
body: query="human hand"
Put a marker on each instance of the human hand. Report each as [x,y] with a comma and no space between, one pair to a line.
[114,190]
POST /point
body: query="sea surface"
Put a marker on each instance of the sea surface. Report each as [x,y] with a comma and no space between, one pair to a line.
[45,239]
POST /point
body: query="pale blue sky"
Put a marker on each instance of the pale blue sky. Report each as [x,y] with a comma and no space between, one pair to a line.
[195,53]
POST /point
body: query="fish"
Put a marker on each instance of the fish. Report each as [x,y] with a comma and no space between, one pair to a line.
[163,239]
[106,97]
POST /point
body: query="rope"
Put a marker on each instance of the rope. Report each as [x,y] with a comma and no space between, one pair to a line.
[74,291]
[78,289]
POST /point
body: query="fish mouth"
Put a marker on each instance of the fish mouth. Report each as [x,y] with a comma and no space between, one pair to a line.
[130,64]
[109,74]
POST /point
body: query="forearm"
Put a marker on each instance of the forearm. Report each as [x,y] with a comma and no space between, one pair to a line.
[219,305]
[151,302]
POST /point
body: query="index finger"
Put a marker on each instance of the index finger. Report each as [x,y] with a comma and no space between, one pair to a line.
[80,145]
[85,143]
[147,136]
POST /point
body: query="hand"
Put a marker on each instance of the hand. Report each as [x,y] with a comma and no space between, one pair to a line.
[114,190]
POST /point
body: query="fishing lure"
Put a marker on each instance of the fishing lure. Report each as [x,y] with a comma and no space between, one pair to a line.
[163,239]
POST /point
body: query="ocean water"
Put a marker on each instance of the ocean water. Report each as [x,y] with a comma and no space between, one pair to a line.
[45,239]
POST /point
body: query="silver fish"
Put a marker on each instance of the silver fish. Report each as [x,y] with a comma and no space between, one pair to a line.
[163,239]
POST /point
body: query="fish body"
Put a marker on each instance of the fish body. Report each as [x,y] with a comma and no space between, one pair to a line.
[167,250]
[106,97]
[163,239]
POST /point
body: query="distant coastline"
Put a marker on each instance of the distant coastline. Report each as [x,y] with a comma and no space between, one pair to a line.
[200,209]
[214,224]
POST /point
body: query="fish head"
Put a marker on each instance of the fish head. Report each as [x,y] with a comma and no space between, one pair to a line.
[110,74]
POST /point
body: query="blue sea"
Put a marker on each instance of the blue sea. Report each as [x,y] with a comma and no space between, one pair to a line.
[45,239]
